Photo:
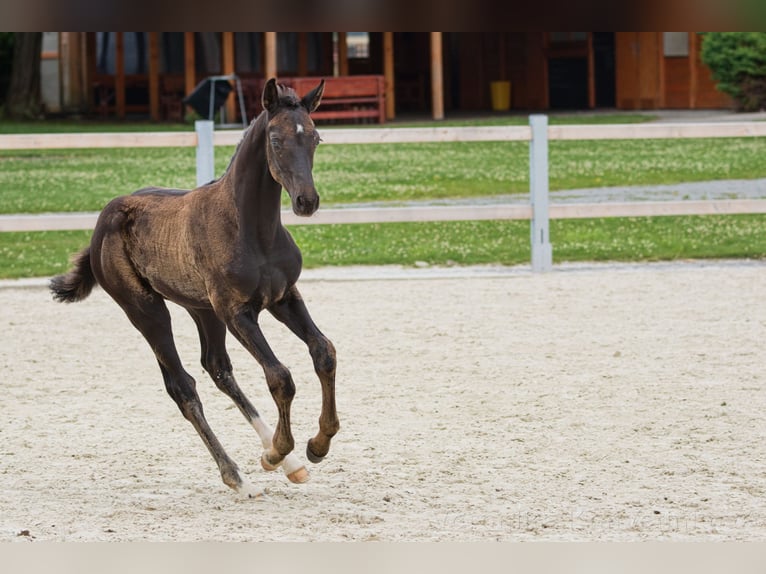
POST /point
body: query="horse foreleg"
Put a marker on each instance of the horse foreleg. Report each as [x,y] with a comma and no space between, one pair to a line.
[244,326]
[293,313]
[216,362]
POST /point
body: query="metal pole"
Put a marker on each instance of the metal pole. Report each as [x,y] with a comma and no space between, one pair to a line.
[542,252]
[205,152]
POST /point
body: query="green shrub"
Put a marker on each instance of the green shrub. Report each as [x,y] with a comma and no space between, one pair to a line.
[737,61]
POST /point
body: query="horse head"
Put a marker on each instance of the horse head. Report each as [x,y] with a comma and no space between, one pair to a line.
[291,139]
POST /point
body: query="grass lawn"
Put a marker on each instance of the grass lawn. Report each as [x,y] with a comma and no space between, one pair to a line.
[85,180]
[31,254]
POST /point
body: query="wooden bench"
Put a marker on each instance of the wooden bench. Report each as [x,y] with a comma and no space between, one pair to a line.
[345,97]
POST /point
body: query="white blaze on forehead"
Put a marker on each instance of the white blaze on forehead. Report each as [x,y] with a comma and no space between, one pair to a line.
[299,128]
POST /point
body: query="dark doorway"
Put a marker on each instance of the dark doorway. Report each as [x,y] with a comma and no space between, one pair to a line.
[568,83]
[568,74]
[604,69]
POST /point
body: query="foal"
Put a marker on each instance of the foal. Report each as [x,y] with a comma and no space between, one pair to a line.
[221,252]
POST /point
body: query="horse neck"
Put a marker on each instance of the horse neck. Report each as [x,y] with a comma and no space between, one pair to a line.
[257,195]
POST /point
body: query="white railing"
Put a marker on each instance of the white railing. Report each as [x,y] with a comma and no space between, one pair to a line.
[538,133]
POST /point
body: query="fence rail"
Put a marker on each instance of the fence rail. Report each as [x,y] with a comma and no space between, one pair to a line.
[538,133]
[87,220]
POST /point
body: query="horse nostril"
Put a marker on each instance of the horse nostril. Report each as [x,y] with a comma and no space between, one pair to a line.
[300,202]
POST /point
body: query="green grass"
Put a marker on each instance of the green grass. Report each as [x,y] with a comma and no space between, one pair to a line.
[85,180]
[458,243]
[39,253]
[51,126]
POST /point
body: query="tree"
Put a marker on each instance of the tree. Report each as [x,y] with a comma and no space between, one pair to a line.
[737,61]
[24,99]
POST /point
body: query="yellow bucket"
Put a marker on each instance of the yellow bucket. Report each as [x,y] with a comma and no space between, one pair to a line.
[501,96]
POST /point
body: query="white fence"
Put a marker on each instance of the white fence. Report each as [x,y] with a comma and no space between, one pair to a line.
[538,133]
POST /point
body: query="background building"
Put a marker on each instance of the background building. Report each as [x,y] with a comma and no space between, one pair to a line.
[121,74]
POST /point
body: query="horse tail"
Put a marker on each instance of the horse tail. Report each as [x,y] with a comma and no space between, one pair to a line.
[77,284]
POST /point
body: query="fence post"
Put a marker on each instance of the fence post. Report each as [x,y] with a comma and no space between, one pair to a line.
[205,152]
[542,252]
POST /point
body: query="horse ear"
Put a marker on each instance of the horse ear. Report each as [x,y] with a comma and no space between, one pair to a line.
[311,100]
[270,97]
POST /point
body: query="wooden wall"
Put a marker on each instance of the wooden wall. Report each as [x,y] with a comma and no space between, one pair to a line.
[638,76]
[647,79]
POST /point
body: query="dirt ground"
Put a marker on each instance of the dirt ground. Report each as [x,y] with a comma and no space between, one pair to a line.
[590,403]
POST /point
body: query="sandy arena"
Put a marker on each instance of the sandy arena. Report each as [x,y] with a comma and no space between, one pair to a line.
[596,402]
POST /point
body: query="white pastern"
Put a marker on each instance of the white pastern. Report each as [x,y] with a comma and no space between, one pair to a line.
[290,463]
[264,431]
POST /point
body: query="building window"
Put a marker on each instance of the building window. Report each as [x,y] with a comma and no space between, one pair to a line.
[675,44]
[358,44]
[248,51]
[135,47]
[172,52]
[287,52]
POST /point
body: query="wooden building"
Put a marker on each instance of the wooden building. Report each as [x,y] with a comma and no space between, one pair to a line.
[134,74]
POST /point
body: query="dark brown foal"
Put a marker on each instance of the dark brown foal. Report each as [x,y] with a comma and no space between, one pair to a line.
[222,252]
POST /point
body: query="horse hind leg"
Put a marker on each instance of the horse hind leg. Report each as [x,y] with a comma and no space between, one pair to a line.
[215,360]
[150,316]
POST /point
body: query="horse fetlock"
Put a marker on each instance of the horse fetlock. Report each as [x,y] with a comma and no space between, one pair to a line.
[271,461]
[314,453]
[232,478]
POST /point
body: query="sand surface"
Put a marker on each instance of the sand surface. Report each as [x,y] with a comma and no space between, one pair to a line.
[591,403]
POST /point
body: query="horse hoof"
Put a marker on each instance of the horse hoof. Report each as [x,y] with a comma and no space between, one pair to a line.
[267,466]
[311,456]
[247,490]
[299,476]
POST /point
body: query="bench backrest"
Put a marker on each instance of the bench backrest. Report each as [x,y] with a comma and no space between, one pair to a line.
[341,87]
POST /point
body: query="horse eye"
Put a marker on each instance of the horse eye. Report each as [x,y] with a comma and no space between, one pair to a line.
[276,144]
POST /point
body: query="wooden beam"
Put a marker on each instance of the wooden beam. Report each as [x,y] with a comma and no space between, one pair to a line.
[591,73]
[228,68]
[303,54]
[388,73]
[693,69]
[662,103]
[119,81]
[71,63]
[342,54]
[190,73]
[90,69]
[270,55]
[546,80]
[154,76]
[437,84]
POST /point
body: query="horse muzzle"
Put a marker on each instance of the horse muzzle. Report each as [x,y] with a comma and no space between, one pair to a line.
[305,204]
